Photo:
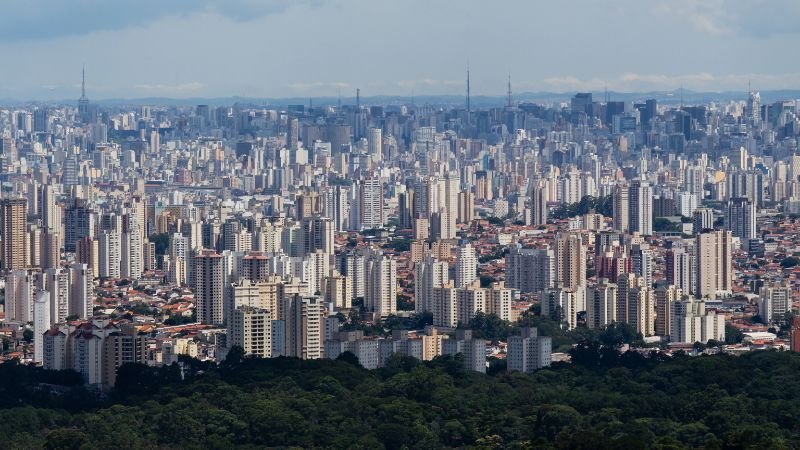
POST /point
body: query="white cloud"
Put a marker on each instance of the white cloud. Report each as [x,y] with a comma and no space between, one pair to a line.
[701,81]
[318,86]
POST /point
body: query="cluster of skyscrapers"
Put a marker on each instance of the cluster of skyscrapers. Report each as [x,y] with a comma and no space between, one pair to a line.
[276,219]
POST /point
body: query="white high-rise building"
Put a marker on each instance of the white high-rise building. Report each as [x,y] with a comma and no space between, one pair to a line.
[56,283]
[530,270]
[641,207]
[110,250]
[444,305]
[19,296]
[692,323]
[621,205]
[380,272]
[132,255]
[370,198]
[680,270]
[81,295]
[251,329]
[539,199]
[41,323]
[665,298]
[642,262]
[375,143]
[774,302]
[565,303]
[713,264]
[470,301]
[601,304]
[740,218]
[529,351]
[429,274]
[498,300]
[754,108]
[318,268]
[466,265]
[570,261]
[304,328]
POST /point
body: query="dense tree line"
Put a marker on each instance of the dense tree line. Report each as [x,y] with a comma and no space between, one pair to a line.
[603,400]
[601,205]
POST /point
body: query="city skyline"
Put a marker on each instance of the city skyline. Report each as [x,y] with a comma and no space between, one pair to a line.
[167,51]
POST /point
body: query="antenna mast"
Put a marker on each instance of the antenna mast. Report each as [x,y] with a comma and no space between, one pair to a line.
[509,89]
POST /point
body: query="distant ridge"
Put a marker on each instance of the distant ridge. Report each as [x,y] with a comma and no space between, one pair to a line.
[665,97]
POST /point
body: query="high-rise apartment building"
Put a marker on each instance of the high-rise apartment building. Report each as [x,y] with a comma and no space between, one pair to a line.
[303,318]
[713,264]
[380,273]
[570,260]
[110,254]
[539,199]
[774,302]
[466,266]
[251,329]
[81,294]
[665,298]
[429,274]
[691,323]
[370,204]
[740,218]
[601,304]
[640,213]
[530,270]
[528,351]
[13,216]
[209,294]
[621,205]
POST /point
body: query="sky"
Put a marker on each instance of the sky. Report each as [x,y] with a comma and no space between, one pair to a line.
[313,48]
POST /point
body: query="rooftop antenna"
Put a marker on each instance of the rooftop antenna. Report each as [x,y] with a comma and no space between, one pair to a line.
[509,89]
[468,105]
[358,98]
[83,81]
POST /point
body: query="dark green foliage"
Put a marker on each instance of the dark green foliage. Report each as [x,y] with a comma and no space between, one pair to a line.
[661,224]
[487,281]
[600,205]
[790,261]
[603,400]
[733,335]
[399,245]
[404,303]
[180,320]
[497,221]
[161,242]
[349,358]
[491,327]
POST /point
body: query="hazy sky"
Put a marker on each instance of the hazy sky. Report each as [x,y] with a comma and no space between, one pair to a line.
[274,48]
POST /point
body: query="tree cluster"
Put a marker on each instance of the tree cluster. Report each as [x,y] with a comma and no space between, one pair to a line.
[603,400]
[601,205]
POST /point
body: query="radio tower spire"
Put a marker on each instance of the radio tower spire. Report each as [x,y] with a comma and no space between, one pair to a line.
[468,106]
[509,89]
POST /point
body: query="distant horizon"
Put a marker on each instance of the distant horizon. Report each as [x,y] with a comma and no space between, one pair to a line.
[313,48]
[666,96]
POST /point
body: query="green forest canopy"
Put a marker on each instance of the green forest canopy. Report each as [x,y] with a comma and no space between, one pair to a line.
[603,400]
